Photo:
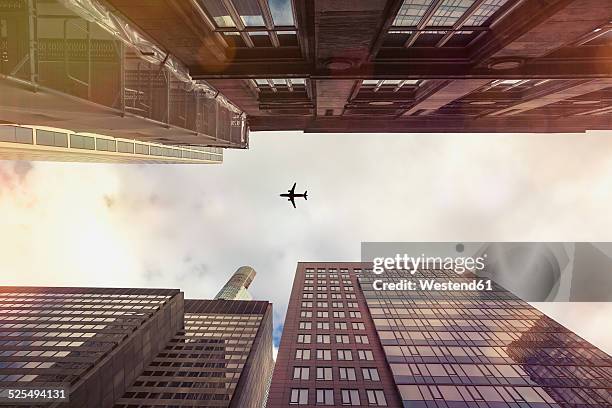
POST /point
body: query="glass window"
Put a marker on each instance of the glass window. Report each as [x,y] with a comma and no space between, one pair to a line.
[305,325]
[105,145]
[350,397]
[16,134]
[217,11]
[324,373]
[301,373]
[370,374]
[376,398]
[282,12]
[250,13]
[48,138]
[345,355]
[299,396]
[325,397]
[323,354]
[302,354]
[411,12]
[127,147]
[347,373]
[82,142]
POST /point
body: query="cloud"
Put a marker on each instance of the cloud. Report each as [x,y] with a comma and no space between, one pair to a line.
[191,227]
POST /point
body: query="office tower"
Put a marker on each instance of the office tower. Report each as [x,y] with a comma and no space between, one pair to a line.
[236,287]
[346,343]
[91,342]
[222,358]
[206,72]
[118,348]
[51,144]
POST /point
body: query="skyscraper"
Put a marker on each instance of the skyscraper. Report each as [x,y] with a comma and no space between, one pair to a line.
[346,343]
[221,358]
[104,348]
[90,342]
[236,287]
[205,72]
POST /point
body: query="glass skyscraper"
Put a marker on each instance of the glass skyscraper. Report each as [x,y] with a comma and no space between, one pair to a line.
[106,347]
[236,287]
[345,343]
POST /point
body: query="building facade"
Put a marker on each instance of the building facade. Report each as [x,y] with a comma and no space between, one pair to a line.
[105,348]
[345,343]
[236,287]
[222,358]
[52,144]
[91,342]
[205,72]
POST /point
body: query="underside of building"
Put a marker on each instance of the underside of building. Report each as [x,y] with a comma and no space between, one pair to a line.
[212,70]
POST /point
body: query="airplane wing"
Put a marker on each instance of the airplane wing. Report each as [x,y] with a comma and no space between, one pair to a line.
[292,191]
[292,199]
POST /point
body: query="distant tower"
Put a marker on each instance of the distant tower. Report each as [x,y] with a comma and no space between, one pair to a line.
[236,287]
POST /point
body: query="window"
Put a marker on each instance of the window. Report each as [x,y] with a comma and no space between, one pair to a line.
[350,397]
[122,147]
[322,304]
[16,134]
[302,354]
[337,304]
[345,355]
[340,326]
[351,296]
[299,396]
[365,355]
[355,314]
[304,313]
[358,326]
[306,304]
[323,338]
[82,142]
[347,373]
[325,397]
[342,338]
[324,373]
[106,145]
[322,314]
[339,314]
[303,338]
[370,374]
[352,304]
[323,325]
[306,325]
[48,138]
[323,354]
[321,295]
[307,296]
[376,397]
[361,339]
[301,373]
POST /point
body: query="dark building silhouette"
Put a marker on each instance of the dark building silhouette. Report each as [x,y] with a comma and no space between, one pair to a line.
[345,343]
[204,72]
[134,348]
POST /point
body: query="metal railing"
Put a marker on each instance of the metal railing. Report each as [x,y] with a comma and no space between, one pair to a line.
[48,45]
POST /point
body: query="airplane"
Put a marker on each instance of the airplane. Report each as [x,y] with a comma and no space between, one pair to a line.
[291,195]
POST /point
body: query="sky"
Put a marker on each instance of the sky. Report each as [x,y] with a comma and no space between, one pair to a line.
[192,226]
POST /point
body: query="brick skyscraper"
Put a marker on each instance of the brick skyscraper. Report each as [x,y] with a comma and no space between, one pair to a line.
[345,343]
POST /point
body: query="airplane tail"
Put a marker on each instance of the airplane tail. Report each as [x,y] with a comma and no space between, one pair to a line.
[305,195]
